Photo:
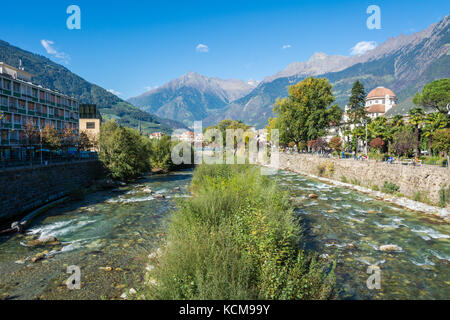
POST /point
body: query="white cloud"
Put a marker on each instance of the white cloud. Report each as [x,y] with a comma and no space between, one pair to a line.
[202,48]
[362,47]
[48,46]
[286,46]
[117,93]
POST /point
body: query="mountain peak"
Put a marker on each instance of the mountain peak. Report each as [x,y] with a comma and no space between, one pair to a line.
[318,56]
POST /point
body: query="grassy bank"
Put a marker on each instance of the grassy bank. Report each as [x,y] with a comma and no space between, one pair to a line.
[237,238]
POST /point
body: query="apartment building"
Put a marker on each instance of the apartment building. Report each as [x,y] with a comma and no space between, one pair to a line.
[23,102]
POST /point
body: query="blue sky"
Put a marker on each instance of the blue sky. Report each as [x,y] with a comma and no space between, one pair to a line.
[130,46]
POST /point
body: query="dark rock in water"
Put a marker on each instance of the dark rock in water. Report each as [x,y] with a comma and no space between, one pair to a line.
[313,196]
[159,196]
[158,171]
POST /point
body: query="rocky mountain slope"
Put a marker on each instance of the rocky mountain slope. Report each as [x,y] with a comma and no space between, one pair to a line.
[404,64]
[192,97]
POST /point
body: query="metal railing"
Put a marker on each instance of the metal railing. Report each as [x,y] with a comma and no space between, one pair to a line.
[48,158]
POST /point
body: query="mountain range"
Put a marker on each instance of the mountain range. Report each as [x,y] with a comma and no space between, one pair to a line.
[54,76]
[192,97]
[404,64]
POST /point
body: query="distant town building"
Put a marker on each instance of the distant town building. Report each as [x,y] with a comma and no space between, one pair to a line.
[187,136]
[157,135]
[379,101]
[23,102]
[90,120]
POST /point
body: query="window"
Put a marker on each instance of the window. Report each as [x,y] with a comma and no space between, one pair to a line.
[16,87]
[90,125]
[6,84]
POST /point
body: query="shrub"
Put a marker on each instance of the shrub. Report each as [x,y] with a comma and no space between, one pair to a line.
[336,144]
[444,196]
[344,179]
[390,188]
[325,169]
[237,239]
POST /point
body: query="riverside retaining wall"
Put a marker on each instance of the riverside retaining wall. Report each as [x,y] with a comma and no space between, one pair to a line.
[412,180]
[24,189]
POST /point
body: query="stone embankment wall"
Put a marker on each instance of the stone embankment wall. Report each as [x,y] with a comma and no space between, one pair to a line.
[24,189]
[425,180]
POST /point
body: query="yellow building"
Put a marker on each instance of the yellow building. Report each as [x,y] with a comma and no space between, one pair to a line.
[90,122]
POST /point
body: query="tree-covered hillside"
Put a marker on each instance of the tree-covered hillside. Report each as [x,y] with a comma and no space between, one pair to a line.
[54,76]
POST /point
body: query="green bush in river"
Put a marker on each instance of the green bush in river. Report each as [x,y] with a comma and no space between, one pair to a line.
[237,238]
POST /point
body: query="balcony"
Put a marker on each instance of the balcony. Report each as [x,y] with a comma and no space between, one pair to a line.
[22,111]
[17,95]
[17,126]
[5,143]
[8,92]
[6,125]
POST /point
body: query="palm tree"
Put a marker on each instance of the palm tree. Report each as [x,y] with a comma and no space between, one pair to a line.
[433,122]
[395,124]
[416,119]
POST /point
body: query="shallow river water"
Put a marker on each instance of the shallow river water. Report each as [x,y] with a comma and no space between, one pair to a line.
[109,235]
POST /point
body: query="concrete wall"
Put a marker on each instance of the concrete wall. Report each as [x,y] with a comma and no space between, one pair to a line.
[427,180]
[24,189]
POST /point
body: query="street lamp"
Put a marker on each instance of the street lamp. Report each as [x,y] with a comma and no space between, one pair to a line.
[40,136]
[364,121]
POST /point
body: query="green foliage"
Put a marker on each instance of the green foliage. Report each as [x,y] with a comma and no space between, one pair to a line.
[389,187]
[161,153]
[54,76]
[237,239]
[123,151]
[344,179]
[325,169]
[357,103]
[435,95]
[227,124]
[441,141]
[304,115]
[404,142]
[444,196]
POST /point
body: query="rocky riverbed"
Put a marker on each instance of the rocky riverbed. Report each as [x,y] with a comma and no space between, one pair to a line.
[113,236]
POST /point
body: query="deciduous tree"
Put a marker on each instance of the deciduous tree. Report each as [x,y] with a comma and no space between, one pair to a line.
[305,115]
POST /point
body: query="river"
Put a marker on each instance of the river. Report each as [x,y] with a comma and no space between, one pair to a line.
[109,235]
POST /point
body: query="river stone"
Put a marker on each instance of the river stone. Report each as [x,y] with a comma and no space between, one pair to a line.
[313,196]
[390,247]
[147,190]
[372,212]
[46,239]
[39,256]
[159,196]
